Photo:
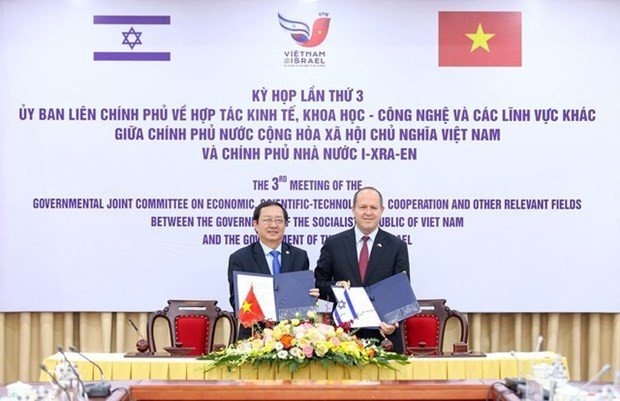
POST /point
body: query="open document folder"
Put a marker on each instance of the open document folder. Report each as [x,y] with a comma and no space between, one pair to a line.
[390,300]
[280,297]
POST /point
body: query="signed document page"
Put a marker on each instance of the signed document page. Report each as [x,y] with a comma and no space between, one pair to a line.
[390,300]
[354,305]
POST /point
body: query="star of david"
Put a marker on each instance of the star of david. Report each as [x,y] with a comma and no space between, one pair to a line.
[136,36]
[341,304]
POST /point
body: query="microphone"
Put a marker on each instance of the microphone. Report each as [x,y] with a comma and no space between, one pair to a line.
[517,385]
[519,367]
[56,382]
[97,389]
[75,372]
[74,349]
[539,341]
[594,378]
[533,368]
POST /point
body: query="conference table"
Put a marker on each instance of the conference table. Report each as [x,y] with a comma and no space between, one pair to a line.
[301,390]
[119,366]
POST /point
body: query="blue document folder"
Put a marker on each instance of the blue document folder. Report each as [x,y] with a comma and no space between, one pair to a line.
[292,293]
[390,300]
[282,296]
[393,298]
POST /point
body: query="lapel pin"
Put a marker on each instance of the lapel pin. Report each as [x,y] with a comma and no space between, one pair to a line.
[287,252]
[379,245]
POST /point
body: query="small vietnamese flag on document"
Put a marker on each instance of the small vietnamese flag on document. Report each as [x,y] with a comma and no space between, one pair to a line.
[480,39]
[250,312]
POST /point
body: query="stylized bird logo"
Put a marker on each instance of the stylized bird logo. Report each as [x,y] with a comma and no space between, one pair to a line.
[300,31]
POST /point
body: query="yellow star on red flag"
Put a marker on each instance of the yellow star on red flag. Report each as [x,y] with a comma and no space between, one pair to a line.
[250,312]
[480,39]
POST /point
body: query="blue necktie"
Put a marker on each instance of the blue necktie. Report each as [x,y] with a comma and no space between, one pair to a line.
[276,262]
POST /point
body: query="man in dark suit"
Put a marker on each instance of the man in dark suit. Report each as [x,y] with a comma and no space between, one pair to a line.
[386,255]
[269,220]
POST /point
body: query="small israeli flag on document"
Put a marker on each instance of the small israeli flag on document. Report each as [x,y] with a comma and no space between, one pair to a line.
[344,310]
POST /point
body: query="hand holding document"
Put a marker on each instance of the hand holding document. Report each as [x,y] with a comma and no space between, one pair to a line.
[390,300]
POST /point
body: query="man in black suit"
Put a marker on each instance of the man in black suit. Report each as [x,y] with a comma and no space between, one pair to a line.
[269,220]
[386,255]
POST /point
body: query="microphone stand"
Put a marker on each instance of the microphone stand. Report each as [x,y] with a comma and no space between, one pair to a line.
[539,342]
[75,372]
[96,389]
[519,367]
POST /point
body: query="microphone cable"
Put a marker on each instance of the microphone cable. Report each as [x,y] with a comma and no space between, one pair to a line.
[124,390]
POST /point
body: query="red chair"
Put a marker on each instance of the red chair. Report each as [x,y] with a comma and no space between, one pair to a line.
[424,332]
[191,324]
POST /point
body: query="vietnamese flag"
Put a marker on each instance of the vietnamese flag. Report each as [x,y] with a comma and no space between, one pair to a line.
[319,33]
[480,39]
[250,312]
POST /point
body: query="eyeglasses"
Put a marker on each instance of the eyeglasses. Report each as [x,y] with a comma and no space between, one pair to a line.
[269,221]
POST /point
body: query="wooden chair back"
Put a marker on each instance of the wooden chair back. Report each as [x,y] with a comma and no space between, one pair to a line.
[192,323]
[424,333]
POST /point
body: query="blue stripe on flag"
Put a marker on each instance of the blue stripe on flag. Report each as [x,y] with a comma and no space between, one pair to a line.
[337,317]
[132,19]
[350,304]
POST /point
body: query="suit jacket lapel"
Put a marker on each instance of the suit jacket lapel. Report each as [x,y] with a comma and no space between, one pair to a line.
[350,249]
[286,259]
[259,258]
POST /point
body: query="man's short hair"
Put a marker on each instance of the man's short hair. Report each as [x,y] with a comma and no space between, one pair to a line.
[258,208]
[372,189]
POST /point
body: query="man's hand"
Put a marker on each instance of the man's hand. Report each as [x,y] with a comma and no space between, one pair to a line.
[387,329]
[314,292]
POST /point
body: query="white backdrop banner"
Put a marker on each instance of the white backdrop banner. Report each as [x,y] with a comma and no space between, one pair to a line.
[137,137]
